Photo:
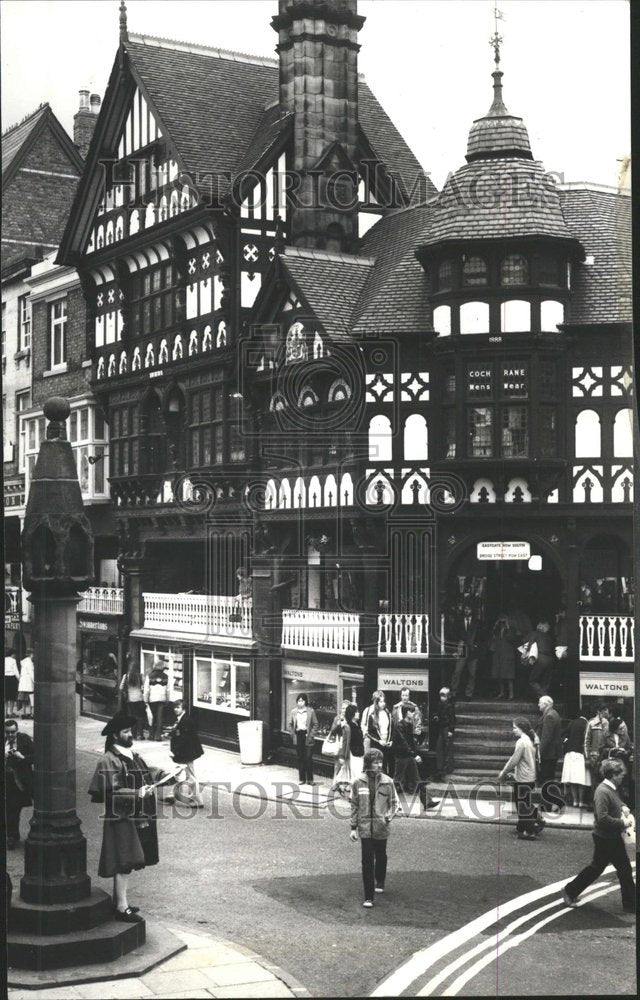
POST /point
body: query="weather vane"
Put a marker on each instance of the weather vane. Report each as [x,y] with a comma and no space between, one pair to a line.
[496,39]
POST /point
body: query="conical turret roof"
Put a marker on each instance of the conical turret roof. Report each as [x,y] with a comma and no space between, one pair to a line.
[498,133]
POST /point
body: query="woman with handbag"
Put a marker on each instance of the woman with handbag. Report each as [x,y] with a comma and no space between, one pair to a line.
[523,764]
[575,773]
[351,752]
[379,730]
[133,698]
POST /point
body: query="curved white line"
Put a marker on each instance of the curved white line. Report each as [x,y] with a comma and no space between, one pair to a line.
[401,978]
[436,981]
[514,942]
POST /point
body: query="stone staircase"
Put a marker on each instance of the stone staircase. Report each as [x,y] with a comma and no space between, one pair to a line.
[484,740]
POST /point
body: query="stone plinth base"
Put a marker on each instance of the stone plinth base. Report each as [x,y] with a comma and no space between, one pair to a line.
[160,945]
[61,918]
[104,943]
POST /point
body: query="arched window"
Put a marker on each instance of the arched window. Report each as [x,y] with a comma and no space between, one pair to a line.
[177,347]
[299,493]
[330,491]
[416,440]
[284,494]
[185,199]
[109,237]
[207,339]
[623,434]
[100,373]
[119,228]
[134,222]
[221,336]
[339,391]
[474,271]
[100,239]
[514,270]
[315,492]
[122,367]
[307,397]
[137,360]
[380,445]
[588,434]
[551,315]
[318,346]
[163,212]
[174,204]
[149,215]
[150,357]
[277,403]
[442,320]
[163,356]
[111,367]
[445,275]
[296,349]
[474,317]
[193,343]
[515,316]
[346,489]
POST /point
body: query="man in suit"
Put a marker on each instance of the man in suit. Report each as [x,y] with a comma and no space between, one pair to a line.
[549,732]
[303,726]
[18,763]
[468,654]
[185,749]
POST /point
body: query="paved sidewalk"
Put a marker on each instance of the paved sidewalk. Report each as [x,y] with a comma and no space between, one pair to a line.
[207,968]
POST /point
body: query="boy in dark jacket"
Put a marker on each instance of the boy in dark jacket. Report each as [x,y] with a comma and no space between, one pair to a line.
[185,749]
[407,758]
[445,719]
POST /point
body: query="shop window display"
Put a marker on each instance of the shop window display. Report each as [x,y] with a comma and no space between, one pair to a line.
[323,698]
[169,658]
[222,684]
[99,675]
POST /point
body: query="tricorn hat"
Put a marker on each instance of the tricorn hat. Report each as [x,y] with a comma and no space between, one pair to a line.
[119,722]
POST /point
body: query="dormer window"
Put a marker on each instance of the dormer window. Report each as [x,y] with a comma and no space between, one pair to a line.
[514,270]
[474,271]
[445,275]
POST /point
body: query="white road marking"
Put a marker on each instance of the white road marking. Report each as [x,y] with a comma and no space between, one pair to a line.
[514,942]
[421,961]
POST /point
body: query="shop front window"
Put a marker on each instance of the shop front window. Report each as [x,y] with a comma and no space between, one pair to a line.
[98,670]
[320,687]
[171,659]
[222,684]
[515,432]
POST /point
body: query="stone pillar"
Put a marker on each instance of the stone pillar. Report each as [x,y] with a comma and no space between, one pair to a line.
[58,920]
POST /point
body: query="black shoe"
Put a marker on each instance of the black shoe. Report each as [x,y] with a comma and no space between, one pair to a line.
[433,804]
[128,916]
[311,782]
[527,836]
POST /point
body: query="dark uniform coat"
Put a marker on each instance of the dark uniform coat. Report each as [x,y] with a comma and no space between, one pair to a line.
[129,835]
[185,745]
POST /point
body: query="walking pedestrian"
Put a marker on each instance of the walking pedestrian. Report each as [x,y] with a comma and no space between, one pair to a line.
[18,777]
[351,752]
[406,775]
[303,725]
[26,686]
[378,731]
[523,765]
[550,733]
[11,678]
[396,711]
[610,819]
[373,805]
[131,688]
[124,783]
[186,748]
[575,774]
[503,657]
[445,720]
[594,736]
[155,695]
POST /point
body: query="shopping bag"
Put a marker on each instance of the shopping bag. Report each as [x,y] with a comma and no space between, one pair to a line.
[331,747]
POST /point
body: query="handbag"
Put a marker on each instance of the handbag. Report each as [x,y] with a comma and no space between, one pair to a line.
[149,714]
[331,746]
[561,652]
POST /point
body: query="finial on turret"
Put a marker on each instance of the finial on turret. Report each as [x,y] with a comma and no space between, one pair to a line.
[56,410]
[496,39]
[124,34]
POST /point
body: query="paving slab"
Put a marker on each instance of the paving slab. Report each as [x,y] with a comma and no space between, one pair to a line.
[234,975]
[160,982]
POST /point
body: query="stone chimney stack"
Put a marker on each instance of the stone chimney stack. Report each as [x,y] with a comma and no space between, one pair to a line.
[84,121]
[318,51]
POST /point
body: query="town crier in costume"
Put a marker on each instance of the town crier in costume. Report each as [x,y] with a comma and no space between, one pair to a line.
[123,781]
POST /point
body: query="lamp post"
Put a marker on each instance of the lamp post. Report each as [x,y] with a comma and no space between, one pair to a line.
[59,920]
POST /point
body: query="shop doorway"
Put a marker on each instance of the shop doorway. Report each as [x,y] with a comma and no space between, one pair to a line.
[498,587]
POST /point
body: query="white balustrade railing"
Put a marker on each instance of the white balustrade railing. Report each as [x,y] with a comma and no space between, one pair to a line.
[607,637]
[103,601]
[324,631]
[403,634]
[200,614]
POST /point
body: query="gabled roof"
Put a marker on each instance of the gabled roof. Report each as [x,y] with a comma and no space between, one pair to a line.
[330,283]
[601,220]
[395,295]
[18,139]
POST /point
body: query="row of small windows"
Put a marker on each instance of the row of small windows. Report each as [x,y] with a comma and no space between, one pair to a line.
[515,317]
[588,434]
[472,270]
[339,392]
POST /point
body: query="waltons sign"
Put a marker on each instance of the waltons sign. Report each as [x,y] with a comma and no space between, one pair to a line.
[607,685]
